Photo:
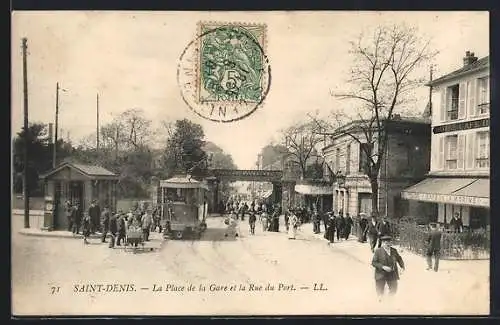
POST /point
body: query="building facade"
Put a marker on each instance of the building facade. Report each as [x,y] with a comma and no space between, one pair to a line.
[405,162]
[458,181]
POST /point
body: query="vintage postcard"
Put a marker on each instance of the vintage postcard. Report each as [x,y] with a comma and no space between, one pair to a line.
[250,163]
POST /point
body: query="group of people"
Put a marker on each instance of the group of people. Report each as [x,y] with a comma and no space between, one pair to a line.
[114,224]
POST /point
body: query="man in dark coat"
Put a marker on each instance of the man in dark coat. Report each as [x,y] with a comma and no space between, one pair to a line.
[347,226]
[456,223]
[113,228]
[384,229]
[385,261]
[363,223]
[433,242]
[251,222]
[76,215]
[68,210]
[122,228]
[94,214]
[371,232]
[105,215]
[340,224]
[330,230]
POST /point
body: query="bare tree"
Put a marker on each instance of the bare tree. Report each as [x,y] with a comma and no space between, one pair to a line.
[384,73]
[300,141]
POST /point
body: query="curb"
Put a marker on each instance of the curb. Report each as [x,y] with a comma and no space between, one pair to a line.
[49,234]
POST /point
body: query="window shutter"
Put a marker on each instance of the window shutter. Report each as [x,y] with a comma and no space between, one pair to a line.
[462,92]
[443,108]
[472,106]
[469,152]
[441,153]
[461,151]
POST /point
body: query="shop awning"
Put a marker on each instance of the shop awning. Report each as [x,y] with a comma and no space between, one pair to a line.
[266,194]
[313,189]
[461,191]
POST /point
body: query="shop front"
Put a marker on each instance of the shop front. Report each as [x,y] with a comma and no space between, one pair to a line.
[466,197]
[316,194]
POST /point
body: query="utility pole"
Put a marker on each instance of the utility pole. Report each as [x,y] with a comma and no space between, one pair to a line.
[97,103]
[430,92]
[54,152]
[26,136]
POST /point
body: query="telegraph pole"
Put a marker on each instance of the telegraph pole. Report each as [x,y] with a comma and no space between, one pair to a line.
[54,152]
[97,103]
[26,136]
[430,92]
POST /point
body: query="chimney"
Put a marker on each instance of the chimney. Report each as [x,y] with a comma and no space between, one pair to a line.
[51,139]
[469,58]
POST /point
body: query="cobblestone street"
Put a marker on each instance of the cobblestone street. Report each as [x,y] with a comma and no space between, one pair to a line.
[43,265]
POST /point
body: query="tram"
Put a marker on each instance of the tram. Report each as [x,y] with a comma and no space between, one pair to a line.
[183,207]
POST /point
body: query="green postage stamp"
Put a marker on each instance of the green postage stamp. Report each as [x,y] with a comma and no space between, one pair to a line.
[224,74]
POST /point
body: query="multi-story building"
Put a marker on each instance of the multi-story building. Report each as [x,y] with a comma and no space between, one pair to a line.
[405,162]
[458,181]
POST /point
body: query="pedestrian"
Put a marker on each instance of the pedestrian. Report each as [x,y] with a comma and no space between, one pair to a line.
[146,221]
[68,209]
[232,227]
[347,226]
[87,223]
[104,223]
[122,228]
[433,242]
[363,224]
[287,219]
[316,221]
[385,261]
[76,215]
[372,232]
[251,221]
[292,232]
[383,229]
[113,229]
[325,217]
[340,224]
[456,223]
[330,230]
[264,220]
[94,213]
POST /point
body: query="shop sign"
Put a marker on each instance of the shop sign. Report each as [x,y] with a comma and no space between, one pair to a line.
[447,198]
[462,126]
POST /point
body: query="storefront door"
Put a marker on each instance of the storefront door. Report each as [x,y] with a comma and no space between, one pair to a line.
[365,203]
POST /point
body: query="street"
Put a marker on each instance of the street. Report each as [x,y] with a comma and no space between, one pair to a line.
[61,276]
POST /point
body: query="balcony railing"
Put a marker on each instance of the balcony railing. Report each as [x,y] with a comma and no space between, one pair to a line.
[482,162]
[484,108]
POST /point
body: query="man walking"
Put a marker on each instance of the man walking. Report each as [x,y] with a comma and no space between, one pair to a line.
[76,215]
[113,229]
[146,221]
[104,223]
[122,228]
[68,210]
[94,213]
[340,224]
[347,226]
[385,261]
[433,242]
[384,229]
[251,221]
[371,232]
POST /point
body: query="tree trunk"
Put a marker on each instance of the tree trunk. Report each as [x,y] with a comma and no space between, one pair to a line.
[374,186]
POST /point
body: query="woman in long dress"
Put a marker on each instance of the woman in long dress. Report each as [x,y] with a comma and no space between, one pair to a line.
[292,230]
[264,220]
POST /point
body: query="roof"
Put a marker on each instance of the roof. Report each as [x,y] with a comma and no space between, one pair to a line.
[88,170]
[182,182]
[479,64]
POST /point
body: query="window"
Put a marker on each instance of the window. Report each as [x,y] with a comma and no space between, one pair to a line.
[451,155]
[483,85]
[363,157]
[348,160]
[452,103]
[483,150]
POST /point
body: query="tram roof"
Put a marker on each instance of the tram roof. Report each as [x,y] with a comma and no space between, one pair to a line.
[183,182]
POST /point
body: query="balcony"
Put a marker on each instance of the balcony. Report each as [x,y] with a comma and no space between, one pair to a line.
[452,112]
[483,108]
[482,162]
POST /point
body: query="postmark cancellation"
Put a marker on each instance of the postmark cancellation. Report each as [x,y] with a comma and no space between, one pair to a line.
[224,74]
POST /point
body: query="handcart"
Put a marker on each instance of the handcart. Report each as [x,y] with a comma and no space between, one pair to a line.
[134,239]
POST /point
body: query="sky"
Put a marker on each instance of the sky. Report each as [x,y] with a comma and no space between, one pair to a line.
[130,59]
